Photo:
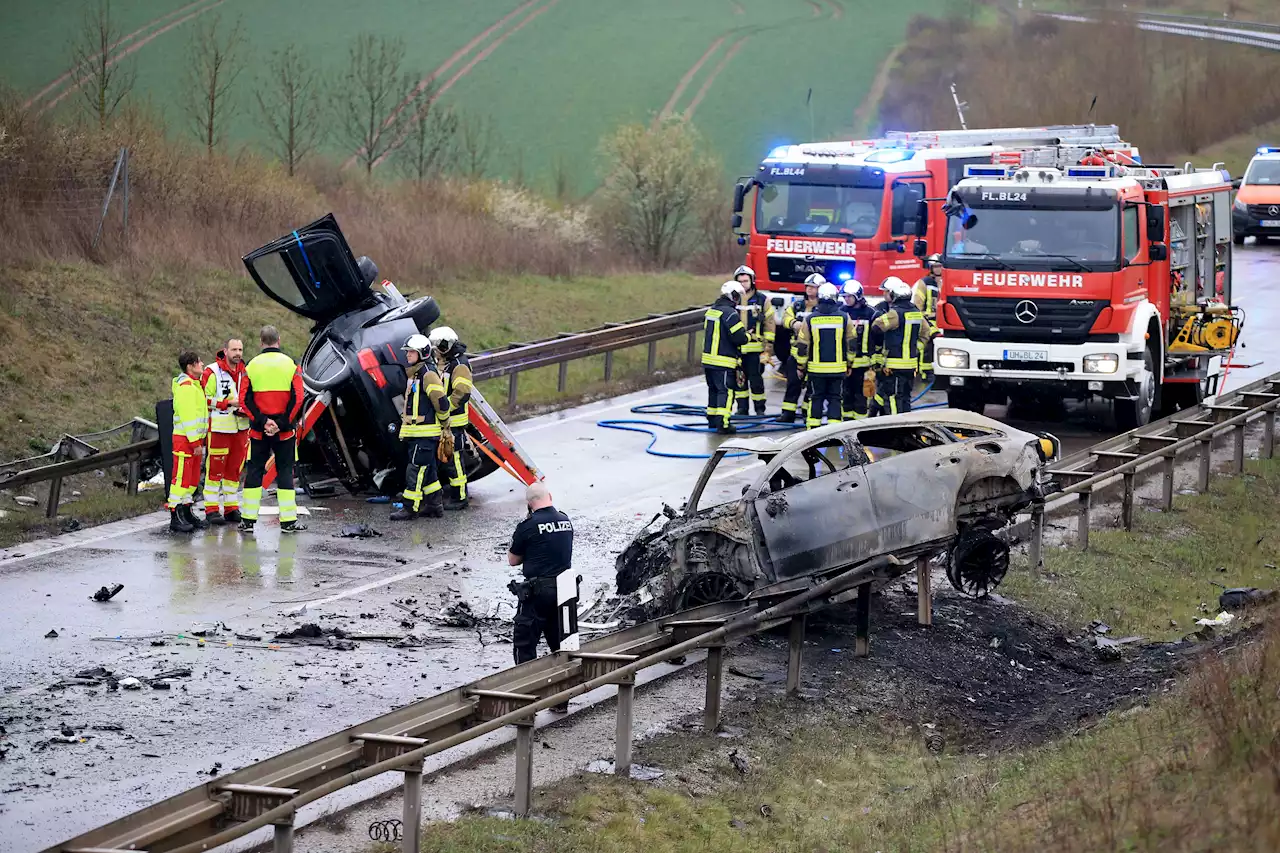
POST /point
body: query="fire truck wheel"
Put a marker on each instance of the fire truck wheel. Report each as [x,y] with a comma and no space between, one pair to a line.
[1131,414]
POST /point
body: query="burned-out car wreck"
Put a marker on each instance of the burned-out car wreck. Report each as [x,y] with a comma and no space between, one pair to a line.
[927,483]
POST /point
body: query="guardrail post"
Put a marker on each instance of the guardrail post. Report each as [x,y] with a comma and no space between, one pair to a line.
[1269,434]
[1082,521]
[715,675]
[693,346]
[1170,465]
[862,621]
[1206,455]
[250,801]
[513,388]
[411,817]
[653,356]
[524,768]
[562,381]
[608,366]
[1126,508]
[55,487]
[1238,456]
[1035,549]
[135,467]
[623,735]
[283,838]
[924,592]
[795,649]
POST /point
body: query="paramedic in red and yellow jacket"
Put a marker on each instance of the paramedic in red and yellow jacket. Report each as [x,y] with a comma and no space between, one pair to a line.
[224,383]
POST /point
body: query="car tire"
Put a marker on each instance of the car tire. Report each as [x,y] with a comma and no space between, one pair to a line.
[1238,239]
[1131,414]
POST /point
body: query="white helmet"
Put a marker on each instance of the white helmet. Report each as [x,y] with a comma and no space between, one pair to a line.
[895,287]
[443,338]
[852,287]
[733,290]
[827,292]
[815,280]
[745,270]
[418,343]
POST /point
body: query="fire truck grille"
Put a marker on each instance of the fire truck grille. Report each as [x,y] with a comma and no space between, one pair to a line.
[795,270]
[1056,321]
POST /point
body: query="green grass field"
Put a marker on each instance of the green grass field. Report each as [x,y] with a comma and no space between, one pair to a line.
[557,75]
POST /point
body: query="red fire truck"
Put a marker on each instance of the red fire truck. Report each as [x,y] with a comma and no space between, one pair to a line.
[849,209]
[1076,271]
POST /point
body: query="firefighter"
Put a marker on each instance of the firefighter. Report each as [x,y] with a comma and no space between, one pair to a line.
[855,397]
[273,400]
[723,337]
[426,412]
[925,297]
[875,406]
[758,320]
[896,337]
[228,446]
[824,353]
[542,546]
[190,425]
[796,311]
[451,358]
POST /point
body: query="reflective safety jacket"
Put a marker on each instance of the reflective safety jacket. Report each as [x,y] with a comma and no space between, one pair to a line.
[273,390]
[723,335]
[925,297]
[899,333]
[861,315]
[223,386]
[190,415]
[426,407]
[458,384]
[796,311]
[825,342]
[757,318]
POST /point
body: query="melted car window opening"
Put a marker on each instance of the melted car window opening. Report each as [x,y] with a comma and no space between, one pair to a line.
[811,463]
[963,433]
[881,444]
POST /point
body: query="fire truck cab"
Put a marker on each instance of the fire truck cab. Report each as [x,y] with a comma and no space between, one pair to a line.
[852,209]
[1073,273]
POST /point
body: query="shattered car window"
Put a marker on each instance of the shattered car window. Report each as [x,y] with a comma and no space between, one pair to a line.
[813,462]
[881,444]
[964,431]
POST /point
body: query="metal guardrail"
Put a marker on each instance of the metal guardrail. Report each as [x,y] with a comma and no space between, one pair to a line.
[270,792]
[1265,36]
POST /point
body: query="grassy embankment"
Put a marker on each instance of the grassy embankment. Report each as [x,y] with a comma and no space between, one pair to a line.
[1197,769]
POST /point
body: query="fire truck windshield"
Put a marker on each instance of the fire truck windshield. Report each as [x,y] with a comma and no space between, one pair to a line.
[837,211]
[1036,239]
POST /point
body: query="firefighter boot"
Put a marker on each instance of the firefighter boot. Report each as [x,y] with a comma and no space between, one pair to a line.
[233,516]
[454,501]
[178,524]
[406,512]
[787,418]
[432,505]
[190,517]
[212,516]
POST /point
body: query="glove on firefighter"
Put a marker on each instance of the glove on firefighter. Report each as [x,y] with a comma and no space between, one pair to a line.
[868,384]
[444,451]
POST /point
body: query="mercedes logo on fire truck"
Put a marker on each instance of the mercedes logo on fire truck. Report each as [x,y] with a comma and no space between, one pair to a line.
[1026,311]
[1274,210]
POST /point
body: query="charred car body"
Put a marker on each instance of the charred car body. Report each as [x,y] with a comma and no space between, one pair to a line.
[910,485]
[353,364]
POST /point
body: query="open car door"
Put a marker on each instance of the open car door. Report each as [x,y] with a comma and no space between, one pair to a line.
[311,272]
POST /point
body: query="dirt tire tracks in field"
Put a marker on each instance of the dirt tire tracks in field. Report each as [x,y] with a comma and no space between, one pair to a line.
[462,72]
[816,7]
[837,9]
[711,78]
[670,105]
[863,114]
[193,10]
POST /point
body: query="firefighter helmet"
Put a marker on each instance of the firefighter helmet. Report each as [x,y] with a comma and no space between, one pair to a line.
[418,343]
[745,270]
[852,287]
[827,292]
[815,280]
[895,287]
[935,258]
[368,269]
[733,290]
[443,338]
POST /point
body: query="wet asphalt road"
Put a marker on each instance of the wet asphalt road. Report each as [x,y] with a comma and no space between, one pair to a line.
[243,701]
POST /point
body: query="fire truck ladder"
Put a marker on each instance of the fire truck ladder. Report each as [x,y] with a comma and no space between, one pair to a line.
[1056,134]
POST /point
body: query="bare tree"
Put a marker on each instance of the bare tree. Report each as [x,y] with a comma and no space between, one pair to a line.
[562,180]
[477,145]
[95,70]
[377,100]
[290,99]
[430,145]
[212,68]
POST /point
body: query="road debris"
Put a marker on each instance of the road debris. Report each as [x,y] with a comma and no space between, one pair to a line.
[52,635]
[106,594]
[460,615]
[358,531]
[739,762]
[131,683]
[639,772]
[1241,597]
[70,525]
[1221,619]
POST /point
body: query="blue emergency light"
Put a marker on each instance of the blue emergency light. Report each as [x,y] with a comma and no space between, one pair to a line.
[845,276]
[777,153]
[1268,150]
[889,155]
[986,171]
[1089,172]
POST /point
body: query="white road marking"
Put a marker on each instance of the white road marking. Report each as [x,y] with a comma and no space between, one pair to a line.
[365,587]
[80,539]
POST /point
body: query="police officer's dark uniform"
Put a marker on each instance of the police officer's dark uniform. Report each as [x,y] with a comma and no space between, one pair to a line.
[895,341]
[545,542]
[854,400]
[757,317]
[723,337]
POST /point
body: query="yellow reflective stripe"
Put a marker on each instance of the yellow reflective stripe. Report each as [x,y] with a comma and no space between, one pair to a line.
[419,430]
[435,386]
[459,419]
[735,327]
[462,382]
[287,499]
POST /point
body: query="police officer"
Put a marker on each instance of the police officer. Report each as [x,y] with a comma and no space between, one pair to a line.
[272,398]
[723,337]
[759,322]
[854,399]
[796,311]
[896,337]
[826,338]
[451,358]
[543,547]
[426,411]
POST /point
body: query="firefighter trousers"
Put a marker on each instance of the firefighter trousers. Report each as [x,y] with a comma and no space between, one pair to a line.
[824,399]
[753,391]
[537,616]
[260,450]
[453,473]
[720,385]
[226,453]
[185,474]
[893,392]
[421,477]
[791,397]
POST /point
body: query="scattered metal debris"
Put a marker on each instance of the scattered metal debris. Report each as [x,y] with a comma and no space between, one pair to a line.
[52,635]
[106,594]
[131,683]
[460,615]
[1241,597]
[739,762]
[358,531]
